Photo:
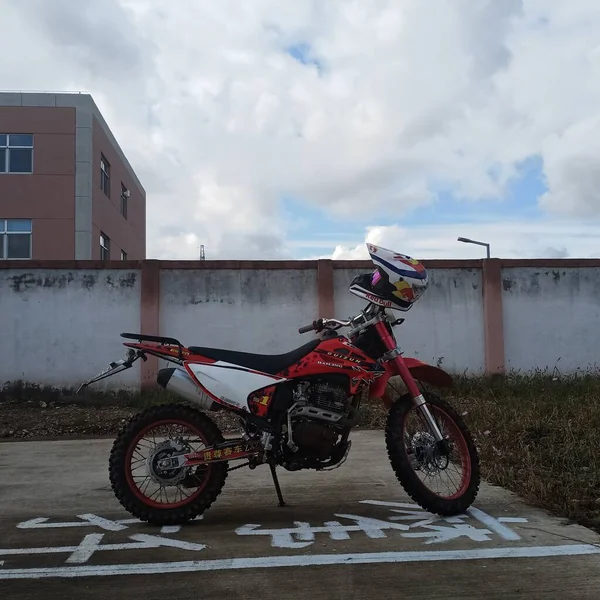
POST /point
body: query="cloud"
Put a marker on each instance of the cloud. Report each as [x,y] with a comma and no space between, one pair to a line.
[507,239]
[79,36]
[573,167]
[551,252]
[385,103]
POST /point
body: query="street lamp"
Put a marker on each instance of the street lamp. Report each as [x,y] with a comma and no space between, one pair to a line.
[468,241]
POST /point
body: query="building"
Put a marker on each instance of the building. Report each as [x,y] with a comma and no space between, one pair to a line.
[67,190]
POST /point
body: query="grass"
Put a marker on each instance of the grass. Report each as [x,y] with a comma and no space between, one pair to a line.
[538,435]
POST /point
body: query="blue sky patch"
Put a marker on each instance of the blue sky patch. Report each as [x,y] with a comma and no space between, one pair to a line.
[302,52]
[313,231]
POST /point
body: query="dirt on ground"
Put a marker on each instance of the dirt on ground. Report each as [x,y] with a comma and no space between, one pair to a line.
[40,420]
[30,412]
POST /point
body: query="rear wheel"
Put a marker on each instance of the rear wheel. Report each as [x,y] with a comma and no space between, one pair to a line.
[441,482]
[165,496]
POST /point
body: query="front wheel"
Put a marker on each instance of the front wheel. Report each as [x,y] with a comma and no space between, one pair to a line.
[442,481]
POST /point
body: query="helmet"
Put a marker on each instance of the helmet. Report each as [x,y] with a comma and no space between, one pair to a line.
[397,282]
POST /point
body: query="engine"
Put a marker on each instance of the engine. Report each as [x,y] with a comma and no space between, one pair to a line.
[326,400]
[318,417]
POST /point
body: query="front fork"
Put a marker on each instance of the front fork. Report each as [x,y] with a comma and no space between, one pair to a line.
[394,356]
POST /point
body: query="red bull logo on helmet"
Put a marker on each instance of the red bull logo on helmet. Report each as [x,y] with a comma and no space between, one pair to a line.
[404,291]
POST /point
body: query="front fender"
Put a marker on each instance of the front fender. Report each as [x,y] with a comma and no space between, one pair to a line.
[419,370]
[428,373]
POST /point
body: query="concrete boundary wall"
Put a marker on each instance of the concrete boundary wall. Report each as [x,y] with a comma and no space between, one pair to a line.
[513,302]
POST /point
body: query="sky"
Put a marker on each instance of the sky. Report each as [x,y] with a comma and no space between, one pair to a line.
[278,130]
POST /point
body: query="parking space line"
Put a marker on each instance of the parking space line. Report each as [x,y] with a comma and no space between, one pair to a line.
[306,560]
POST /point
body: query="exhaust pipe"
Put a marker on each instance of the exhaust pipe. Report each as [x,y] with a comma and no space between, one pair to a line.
[180,383]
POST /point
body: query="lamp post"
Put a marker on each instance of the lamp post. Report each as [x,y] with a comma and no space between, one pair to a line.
[468,241]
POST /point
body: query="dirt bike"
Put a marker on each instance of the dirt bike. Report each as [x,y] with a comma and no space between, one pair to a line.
[169,463]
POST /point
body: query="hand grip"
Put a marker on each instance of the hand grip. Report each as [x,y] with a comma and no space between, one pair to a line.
[307,328]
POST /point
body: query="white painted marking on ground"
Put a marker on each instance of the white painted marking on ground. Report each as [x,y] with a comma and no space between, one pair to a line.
[438,534]
[337,531]
[43,550]
[303,534]
[130,521]
[428,519]
[91,520]
[392,504]
[305,560]
[416,525]
[88,520]
[436,529]
[89,545]
[512,520]
[155,541]
[494,524]
[170,528]
[281,538]
[102,522]
[32,523]
[86,549]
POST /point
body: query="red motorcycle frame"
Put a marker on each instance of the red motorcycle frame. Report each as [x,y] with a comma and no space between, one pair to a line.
[331,354]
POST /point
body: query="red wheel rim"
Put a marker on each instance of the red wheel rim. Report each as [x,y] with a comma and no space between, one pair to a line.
[129,475]
[449,426]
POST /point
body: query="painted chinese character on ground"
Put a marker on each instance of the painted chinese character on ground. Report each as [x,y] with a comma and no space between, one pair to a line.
[406,520]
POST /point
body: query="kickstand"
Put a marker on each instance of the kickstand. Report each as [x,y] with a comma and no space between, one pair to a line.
[277,487]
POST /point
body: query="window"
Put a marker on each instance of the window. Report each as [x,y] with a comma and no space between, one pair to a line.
[123,255]
[105,175]
[15,239]
[16,153]
[124,197]
[104,247]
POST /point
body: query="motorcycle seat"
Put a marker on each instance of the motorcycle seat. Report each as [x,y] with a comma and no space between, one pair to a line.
[265,363]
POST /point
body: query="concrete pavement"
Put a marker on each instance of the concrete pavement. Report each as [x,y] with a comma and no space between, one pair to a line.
[349,533]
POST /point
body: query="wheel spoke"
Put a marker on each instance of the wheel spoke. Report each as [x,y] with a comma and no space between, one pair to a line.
[149,447]
[151,497]
[148,482]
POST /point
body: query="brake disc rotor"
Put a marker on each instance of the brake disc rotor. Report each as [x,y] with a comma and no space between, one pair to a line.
[165,476]
[426,453]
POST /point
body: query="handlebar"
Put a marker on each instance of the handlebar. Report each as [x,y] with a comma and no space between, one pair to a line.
[358,323]
[324,324]
[307,328]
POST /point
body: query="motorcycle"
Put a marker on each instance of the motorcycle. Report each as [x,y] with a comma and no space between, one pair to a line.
[169,463]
